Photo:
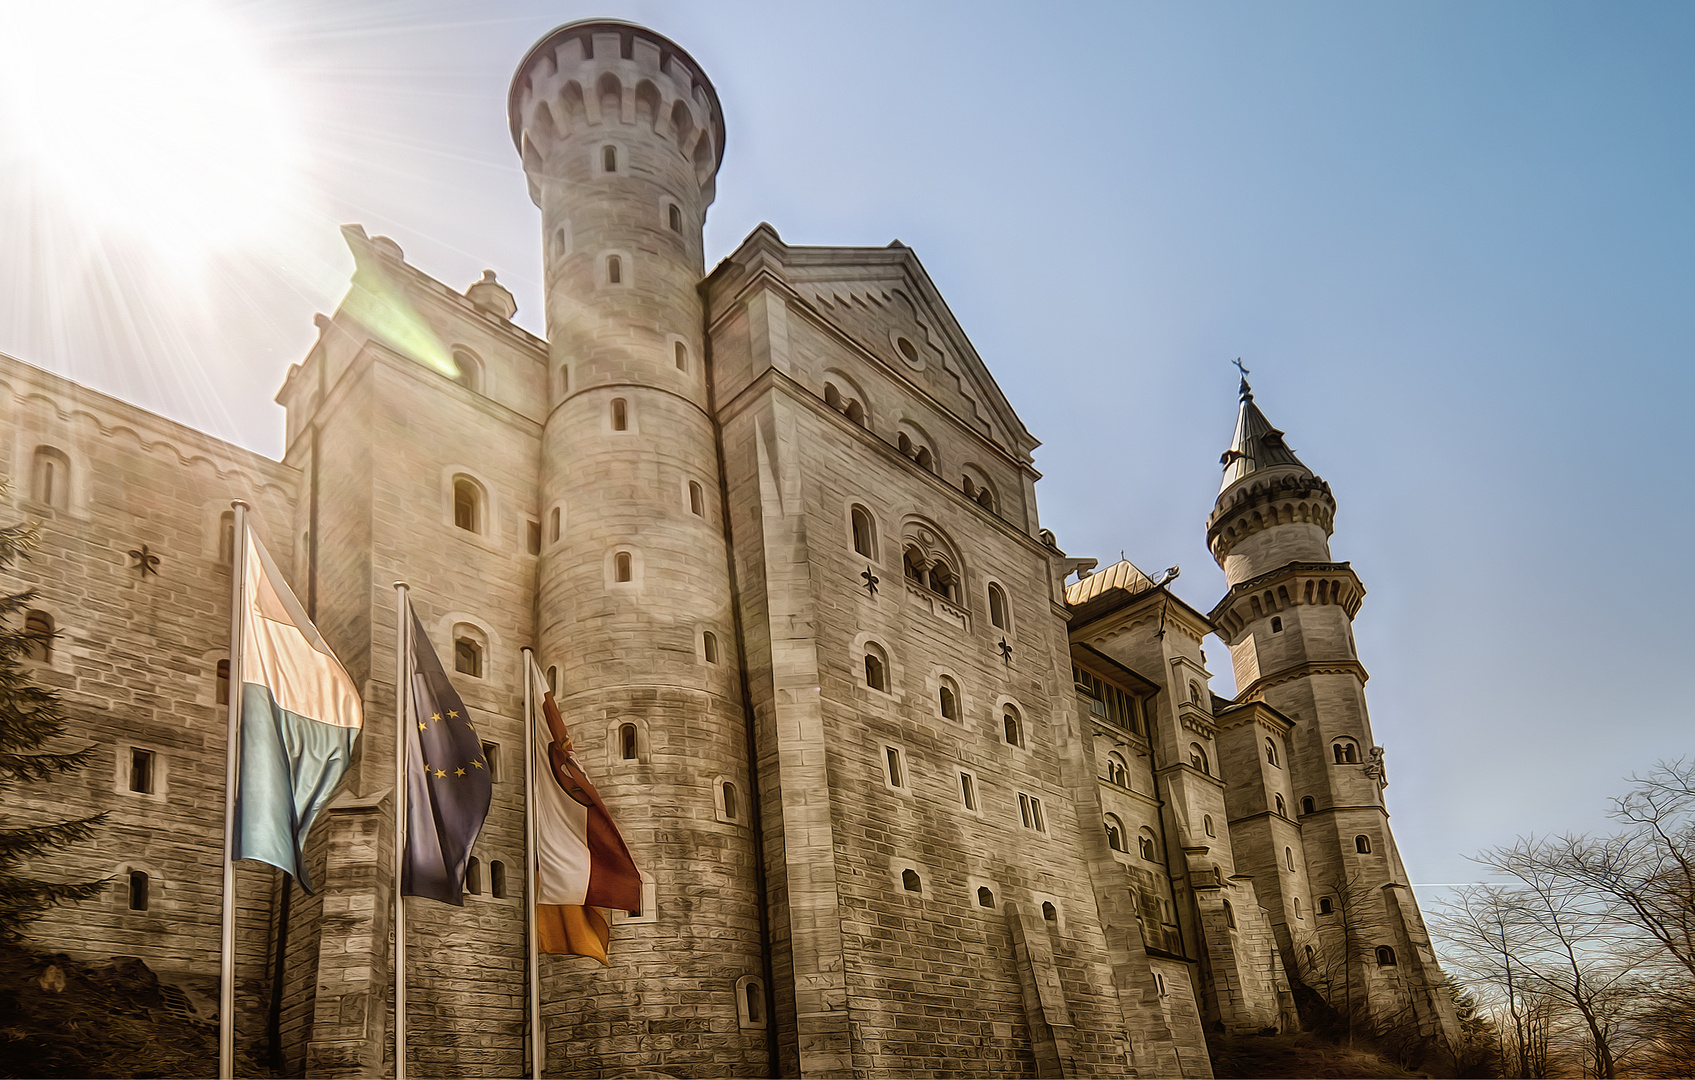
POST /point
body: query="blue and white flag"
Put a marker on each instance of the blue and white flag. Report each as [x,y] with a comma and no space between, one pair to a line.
[300,716]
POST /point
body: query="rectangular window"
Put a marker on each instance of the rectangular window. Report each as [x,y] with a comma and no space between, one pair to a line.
[897,775]
[535,537]
[141,771]
[1159,984]
[491,754]
[968,790]
[1106,700]
[1030,812]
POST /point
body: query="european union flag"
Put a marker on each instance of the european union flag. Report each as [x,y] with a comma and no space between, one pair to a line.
[448,787]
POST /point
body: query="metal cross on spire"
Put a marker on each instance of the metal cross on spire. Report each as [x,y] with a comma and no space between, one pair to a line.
[1246,391]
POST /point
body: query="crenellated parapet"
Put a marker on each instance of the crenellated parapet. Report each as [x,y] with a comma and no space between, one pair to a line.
[1263,503]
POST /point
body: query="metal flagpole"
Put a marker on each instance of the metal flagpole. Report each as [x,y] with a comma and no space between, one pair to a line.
[402,694]
[538,1045]
[232,769]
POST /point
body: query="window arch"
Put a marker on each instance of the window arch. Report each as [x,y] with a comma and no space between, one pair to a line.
[1117,770]
[750,996]
[1012,725]
[876,667]
[709,646]
[1229,915]
[997,607]
[1385,956]
[629,742]
[910,881]
[697,499]
[730,800]
[674,217]
[864,529]
[948,698]
[468,369]
[1324,905]
[680,354]
[51,480]
[1271,752]
[497,880]
[554,518]
[1198,757]
[553,678]
[914,444]
[623,567]
[1307,805]
[38,628]
[1362,844]
[138,897]
[474,876]
[609,159]
[1145,844]
[468,503]
[1345,751]
[1289,859]
[467,653]
[1206,825]
[614,270]
[1298,914]
[620,414]
[1195,693]
[1115,838]
[1277,624]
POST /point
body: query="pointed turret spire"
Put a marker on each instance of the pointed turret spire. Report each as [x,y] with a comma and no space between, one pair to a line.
[1256,445]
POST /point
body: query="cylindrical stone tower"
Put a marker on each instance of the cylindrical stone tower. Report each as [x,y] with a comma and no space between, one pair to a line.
[621,136]
[1288,620]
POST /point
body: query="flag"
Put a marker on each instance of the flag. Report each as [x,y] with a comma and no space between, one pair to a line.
[448,787]
[299,717]
[581,862]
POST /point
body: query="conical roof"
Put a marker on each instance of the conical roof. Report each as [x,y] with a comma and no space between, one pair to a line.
[1256,445]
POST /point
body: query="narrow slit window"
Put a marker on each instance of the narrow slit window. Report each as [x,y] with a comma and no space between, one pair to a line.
[226,538]
[732,801]
[474,876]
[609,158]
[497,880]
[897,774]
[997,607]
[620,415]
[1012,727]
[709,646]
[627,742]
[949,699]
[491,761]
[223,683]
[141,770]
[1049,912]
[985,897]
[614,270]
[910,881]
[138,890]
[682,356]
[622,569]
[533,535]
[863,533]
[38,629]
[876,671]
[467,502]
[553,526]
[675,215]
[697,499]
[754,996]
[468,658]
[968,790]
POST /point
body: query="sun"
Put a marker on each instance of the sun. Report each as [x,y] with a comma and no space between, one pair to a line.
[159,119]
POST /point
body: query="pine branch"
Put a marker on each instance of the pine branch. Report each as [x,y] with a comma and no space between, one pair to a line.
[34,840]
[21,901]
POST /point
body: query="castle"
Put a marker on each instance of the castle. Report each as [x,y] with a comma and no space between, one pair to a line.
[912,791]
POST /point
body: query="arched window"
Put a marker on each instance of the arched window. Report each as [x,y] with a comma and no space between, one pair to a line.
[564,379]
[629,742]
[1307,805]
[1312,957]
[855,412]
[943,580]
[52,480]
[1324,905]
[222,693]
[1270,752]
[1277,624]
[674,214]
[1289,858]
[614,270]
[38,629]
[1362,844]
[1012,726]
[697,499]
[1049,912]
[753,1003]
[1115,834]
[1298,914]
[226,538]
[468,370]
[553,517]
[985,897]
[1117,771]
[1385,956]
[1198,757]
[609,159]
[141,770]
[467,504]
[138,889]
[620,415]
[925,459]
[949,699]
[553,678]
[910,882]
[1206,825]
[1229,915]
[732,801]
[709,646]
[896,767]
[1345,751]
[1194,693]
[681,354]
[876,668]
[497,880]
[997,606]
[623,567]
[474,876]
[864,533]
[1145,844]
[1281,811]
[468,657]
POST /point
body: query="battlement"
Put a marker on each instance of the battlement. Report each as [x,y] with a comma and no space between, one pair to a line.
[586,76]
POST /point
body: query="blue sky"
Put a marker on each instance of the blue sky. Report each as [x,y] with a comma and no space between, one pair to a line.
[1452,241]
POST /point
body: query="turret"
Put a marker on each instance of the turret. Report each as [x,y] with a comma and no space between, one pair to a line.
[621,136]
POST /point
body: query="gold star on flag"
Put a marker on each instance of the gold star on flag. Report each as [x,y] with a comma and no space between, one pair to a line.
[421,726]
[436,717]
[450,714]
[440,773]
[478,764]
[458,772]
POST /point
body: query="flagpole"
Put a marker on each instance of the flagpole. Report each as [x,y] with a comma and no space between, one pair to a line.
[402,666]
[538,1046]
[232,768]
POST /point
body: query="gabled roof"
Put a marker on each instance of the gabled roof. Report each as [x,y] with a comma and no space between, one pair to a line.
[1122,574]
[878,296]
[1256,445]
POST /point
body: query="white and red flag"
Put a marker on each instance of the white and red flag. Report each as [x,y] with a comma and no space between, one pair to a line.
[581,863]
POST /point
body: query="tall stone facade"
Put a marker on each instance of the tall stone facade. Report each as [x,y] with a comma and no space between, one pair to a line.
[912,791]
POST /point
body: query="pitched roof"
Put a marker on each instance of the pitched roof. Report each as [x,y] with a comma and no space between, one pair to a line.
[1256,445]
[1120,575]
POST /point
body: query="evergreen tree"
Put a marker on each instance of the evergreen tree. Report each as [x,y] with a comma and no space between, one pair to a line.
[30,716]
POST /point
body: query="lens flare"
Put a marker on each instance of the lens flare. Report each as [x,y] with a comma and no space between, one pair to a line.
[156,119]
